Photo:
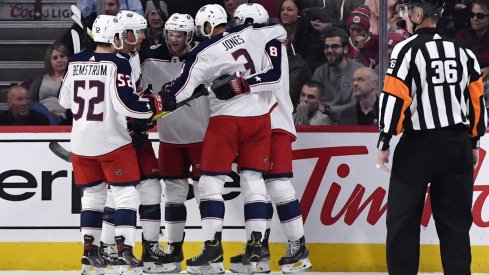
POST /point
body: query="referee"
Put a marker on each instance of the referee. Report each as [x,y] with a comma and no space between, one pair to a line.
[433,93]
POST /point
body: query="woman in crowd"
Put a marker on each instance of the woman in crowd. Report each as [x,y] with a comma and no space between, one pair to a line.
[44,89]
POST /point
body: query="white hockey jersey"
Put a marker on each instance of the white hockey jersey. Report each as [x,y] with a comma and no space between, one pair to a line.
[99,90]
[275,77]
[187,124]
[238,49]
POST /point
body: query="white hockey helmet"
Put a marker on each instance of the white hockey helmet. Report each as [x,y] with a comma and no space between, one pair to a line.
[132,21]
[256,12]
[214,14]
[181,23]
[105,28]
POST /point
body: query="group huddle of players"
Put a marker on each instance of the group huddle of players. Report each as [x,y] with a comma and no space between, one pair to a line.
[244,116]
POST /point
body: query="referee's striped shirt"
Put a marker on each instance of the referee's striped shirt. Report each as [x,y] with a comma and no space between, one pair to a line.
[431,83]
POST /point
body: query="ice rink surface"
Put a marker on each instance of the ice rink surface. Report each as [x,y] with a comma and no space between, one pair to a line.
[312,273]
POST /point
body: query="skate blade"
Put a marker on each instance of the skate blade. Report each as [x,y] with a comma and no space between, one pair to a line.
[240,268]
[152,268]
[127,270]
[111,269]
[91,270]
[213,268]
[261,267]
[300,266]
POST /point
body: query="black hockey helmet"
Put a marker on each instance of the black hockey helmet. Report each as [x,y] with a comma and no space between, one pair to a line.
[430,7]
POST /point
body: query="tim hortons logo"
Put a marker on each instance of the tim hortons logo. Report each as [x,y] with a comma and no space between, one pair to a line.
[359,200]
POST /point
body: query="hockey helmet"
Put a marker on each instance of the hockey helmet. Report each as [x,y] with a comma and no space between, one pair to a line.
[252,12]
[132,21]
[105,28]
[182,23]
[214,14]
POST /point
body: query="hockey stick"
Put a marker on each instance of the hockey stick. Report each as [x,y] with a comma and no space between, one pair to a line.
[185,102]
[77,17]
[76,41]
[59,151]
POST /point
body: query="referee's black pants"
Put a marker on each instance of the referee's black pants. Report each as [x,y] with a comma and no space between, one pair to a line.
[443,158]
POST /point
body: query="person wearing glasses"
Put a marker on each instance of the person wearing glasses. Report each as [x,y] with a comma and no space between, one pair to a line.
[336,74]
[476,37]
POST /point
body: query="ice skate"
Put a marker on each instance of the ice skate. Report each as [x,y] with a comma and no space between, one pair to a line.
[296,259]
[128,263]
[152,254]
[92,263]
[172,258]
[263,265]
[209,261]
[108,252]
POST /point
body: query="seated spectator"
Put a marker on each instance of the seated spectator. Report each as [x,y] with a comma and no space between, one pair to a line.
[303,31]
[307,112]
[154,32]
[340,10]
[230,6]
[336,74]
[366,108]
[395,37]
[476,37]
[363,45]
[19,112]
[44,89]
[299,73]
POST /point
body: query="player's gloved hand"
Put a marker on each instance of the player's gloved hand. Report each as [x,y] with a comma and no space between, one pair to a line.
[162,102]
[138,130]
[166,87]
[148,91]
[229,86]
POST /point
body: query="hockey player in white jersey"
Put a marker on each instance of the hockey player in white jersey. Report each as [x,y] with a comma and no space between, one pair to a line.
[99,90]
[149,188]
[239,126]
[180,133]
[275,78]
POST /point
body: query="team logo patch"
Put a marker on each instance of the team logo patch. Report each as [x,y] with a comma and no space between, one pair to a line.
[356,19]
[118,171]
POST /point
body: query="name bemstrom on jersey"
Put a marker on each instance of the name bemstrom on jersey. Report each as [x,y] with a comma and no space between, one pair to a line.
[89,69]
[232,42]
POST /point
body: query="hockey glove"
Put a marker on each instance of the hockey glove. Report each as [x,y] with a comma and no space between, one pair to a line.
[162,102]
[229,86]
[138,130]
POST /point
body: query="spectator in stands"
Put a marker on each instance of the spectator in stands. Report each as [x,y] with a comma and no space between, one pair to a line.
[393,17]
[341,9]
[44,89]
[476,37]
[19,112]
[230,6]
[395,37]
[189,6]
[299,73]
[307,112]
[303,30]
[154,32]
[91,8]
[336,74]
[366,108]
[363,45]
[112,7]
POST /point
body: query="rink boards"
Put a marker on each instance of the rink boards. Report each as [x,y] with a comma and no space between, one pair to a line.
[343,199]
